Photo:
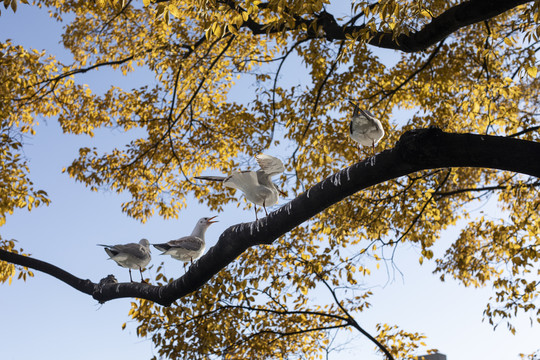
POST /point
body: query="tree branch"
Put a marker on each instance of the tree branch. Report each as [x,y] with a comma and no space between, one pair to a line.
[453,19]
[416,150]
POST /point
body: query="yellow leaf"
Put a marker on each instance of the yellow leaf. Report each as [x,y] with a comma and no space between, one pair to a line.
[426,13]
[532,71]
[218,31]
[175,11]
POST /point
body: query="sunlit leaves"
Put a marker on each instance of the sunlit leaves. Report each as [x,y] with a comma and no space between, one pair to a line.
[401,344]
[190,119]
[531,71]
[8,271]
[254,311]
[20,71]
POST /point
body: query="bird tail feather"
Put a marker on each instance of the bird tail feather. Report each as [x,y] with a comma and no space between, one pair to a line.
[162,247]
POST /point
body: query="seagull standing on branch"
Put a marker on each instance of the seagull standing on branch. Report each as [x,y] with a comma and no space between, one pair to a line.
[131,256]
[188,248]
[365,128]
[257,186]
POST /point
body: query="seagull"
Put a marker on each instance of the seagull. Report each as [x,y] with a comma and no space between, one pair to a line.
[131,256]
[365,128]
[188,248]
[257,186]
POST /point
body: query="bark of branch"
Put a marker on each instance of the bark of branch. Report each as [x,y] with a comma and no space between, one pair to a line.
[416,150]
[464,14]
[453,19]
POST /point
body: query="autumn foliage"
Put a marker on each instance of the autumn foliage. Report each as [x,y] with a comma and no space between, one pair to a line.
[460,66]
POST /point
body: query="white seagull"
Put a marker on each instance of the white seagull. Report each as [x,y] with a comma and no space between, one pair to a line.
[257,186]
[365,128]
[131,256]
[188,248]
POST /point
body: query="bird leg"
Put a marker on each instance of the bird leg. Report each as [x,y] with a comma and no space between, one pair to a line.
[264,207]
[372,160]
[130,278]
[142,280]
[255,208]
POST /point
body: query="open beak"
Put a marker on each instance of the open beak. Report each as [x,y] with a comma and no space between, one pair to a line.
[211,222]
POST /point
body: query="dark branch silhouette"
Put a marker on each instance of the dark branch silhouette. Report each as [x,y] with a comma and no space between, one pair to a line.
[451,20]
[456,17]
[416,150]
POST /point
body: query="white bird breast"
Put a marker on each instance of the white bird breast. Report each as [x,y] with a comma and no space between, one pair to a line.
[183,254]
[366,131]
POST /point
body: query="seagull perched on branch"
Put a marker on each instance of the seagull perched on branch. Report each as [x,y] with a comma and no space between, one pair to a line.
[365,128]
[131,256]
[257,186]
[188,248]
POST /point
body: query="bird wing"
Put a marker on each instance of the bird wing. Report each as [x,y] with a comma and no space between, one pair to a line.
[270,164]
[211,178]
[137,250]
[242,180]
[187,242]
[363,123]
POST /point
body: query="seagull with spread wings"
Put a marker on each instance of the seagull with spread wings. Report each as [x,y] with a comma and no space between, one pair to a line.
[257,186]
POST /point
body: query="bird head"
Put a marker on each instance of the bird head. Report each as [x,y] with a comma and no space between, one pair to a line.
[207,220]
[144,242]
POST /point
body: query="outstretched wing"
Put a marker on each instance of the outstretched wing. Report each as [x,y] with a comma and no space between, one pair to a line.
[242,180]
[269,164]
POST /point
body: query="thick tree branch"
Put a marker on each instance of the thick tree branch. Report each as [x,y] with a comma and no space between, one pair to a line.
[453,19]
[85,286]
[416,150]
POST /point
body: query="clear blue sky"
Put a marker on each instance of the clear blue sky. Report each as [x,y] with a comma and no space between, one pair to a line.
[46,319]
